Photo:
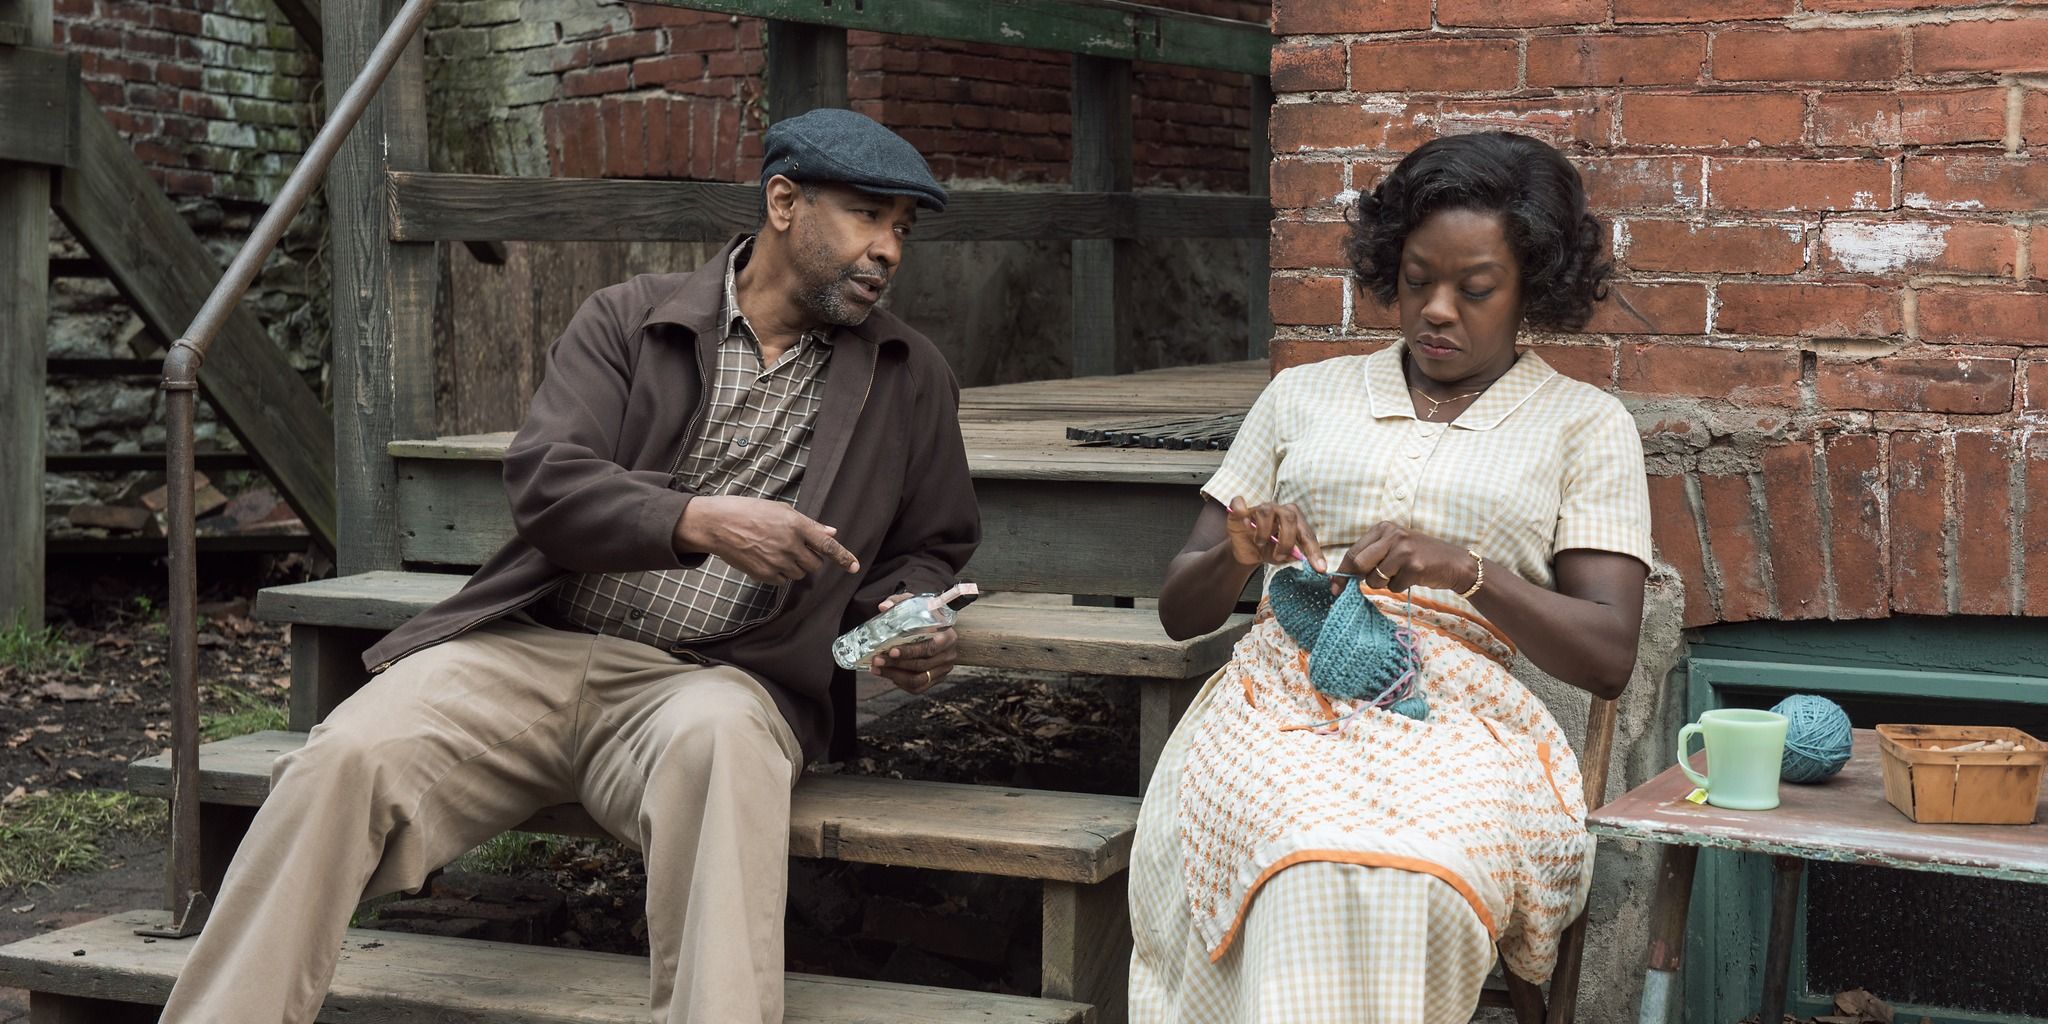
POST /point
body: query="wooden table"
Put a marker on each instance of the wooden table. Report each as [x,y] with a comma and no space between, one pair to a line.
[1843,819]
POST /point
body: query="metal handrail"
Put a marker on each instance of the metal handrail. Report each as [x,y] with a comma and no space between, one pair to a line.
[180,381]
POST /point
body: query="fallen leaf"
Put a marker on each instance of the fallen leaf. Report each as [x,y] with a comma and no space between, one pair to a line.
[23,909]
[1863,1004]
[72,691]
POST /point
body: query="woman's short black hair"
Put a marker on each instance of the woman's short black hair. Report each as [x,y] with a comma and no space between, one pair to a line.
[1534,189]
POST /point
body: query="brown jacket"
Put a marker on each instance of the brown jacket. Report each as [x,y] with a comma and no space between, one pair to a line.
[588,478]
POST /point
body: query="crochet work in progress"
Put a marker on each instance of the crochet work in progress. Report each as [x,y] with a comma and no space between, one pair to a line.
[1354,651]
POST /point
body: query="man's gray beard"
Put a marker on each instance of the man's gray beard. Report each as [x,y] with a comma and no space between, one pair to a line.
[828,302]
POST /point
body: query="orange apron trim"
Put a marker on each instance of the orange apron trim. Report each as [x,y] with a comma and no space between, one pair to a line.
[1542,755]
[1439,606]
[1362,859]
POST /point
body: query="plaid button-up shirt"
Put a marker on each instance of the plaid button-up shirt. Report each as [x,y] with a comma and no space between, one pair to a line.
[755,441]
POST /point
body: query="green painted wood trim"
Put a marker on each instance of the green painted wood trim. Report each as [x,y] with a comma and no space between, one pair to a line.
[1731,911]
[1960,644]
[1098,28]
[1841,679]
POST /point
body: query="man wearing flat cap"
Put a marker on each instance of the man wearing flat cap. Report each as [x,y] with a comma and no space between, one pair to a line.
[720,471]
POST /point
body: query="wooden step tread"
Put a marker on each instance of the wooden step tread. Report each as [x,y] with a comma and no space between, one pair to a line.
[394,978]
[1023,833]
[993,634]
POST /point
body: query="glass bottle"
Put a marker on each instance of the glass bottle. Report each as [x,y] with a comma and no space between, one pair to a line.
[908,621]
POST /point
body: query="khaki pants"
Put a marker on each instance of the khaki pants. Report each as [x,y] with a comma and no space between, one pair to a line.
[454,744]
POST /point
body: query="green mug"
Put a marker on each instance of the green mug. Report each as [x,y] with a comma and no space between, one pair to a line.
[1745,750]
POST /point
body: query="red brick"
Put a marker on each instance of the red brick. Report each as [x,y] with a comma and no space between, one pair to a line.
[1286,352]
[1983,316]
[1764,376]
[1699,10]
[2037,385]
[1560,121]
[1527,14]
[1732,537]
[1953,384]
[1603,59]
[660,158]
[1894,247]
[1675,307]
[1434,65]
[1811,55]
[616,144]
[1747,248]
[1886,5]
[1794,509]
[1593,364]
[1807,310]
[613,49]
[1316,301]
[1641,182]
[680,67]
[597,81]
[1302,184]
[2037,253]
[2008,46]
[582,140]
[1731,120]
[1910,118]
[1771,184]
[1323,127]
[2034,530]
[1314,17]
[1300,68]
[2034,118]
[1919,480]
[1983,510]
[1300,245]
[1675,533]
[1855,537]
[1942,182]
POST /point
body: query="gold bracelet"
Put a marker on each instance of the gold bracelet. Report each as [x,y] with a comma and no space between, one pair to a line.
[1478,575]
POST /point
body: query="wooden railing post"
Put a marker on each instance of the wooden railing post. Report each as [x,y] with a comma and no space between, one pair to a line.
[383,362]
[1101,163]
[806,68]
[1258,311]
[24,320]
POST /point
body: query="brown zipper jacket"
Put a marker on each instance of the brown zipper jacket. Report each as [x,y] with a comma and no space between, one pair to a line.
[590,489]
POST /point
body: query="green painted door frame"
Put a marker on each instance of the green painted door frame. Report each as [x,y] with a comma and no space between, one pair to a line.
[1965,668]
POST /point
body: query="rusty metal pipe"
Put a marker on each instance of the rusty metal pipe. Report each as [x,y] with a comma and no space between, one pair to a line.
[189,901]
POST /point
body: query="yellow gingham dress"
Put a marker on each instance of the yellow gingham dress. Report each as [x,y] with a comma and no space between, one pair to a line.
[1372,875]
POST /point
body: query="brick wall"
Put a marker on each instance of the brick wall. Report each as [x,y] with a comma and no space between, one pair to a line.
[632,90]
[1829,216]
[214,95]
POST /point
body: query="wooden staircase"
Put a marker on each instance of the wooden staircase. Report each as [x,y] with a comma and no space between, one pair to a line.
[416,513]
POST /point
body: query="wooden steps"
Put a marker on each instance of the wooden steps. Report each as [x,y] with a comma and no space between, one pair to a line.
[993,634]
[1022,833]
[394,978]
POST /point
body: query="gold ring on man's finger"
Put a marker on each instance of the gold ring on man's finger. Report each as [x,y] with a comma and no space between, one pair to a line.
[927,677]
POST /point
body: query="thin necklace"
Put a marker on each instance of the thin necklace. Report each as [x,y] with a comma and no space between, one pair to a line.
[1435,403]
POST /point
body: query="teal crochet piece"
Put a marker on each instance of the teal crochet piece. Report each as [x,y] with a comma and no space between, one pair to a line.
[1355,651]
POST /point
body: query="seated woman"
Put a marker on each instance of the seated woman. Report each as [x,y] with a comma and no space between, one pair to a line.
[1305,857]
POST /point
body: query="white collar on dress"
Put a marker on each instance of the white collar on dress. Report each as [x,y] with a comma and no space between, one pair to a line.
[1387,389]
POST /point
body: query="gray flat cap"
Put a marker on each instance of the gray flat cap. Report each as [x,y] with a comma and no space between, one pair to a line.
[833,145]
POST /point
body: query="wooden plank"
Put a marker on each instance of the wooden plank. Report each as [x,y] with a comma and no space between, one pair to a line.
[45,1008]
[1101,163]
[305,18]
[42,106]
[1258,304]
[1845,818]
[117,462]
[382,366]
[117,211]
[1160,709]
[395,978]
[327,666]
[1124,642]
[1101,28]
[1021,833]
[1086,945]
[463,207]
[806,68]
[24,325]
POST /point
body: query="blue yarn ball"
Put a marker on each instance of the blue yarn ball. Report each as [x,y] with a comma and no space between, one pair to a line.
[1816,737]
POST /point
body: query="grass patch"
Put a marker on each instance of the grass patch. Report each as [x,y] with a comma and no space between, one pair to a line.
[48,834]
[509,853]
[245,713]
[39,650]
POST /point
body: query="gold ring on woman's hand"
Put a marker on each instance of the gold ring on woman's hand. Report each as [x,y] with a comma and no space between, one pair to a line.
[1377,571]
